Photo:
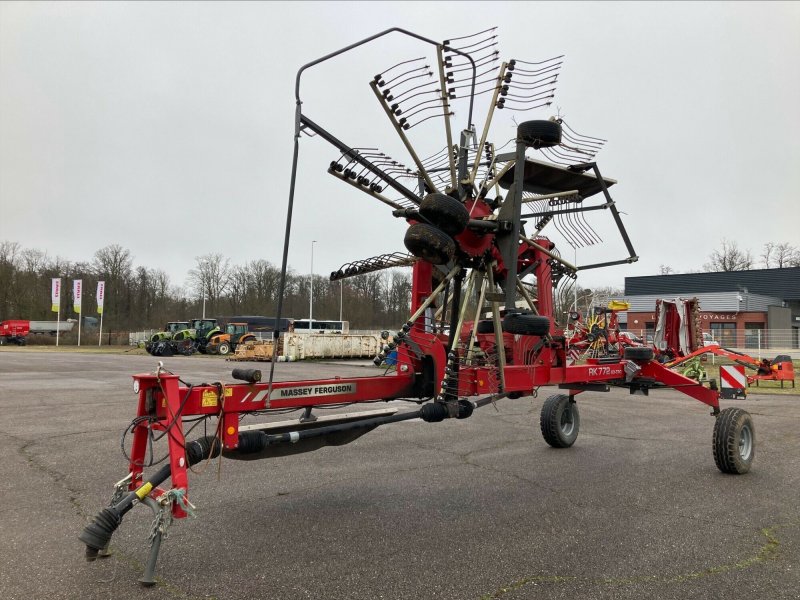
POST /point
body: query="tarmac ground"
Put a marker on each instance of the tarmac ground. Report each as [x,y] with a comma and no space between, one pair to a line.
[474,509]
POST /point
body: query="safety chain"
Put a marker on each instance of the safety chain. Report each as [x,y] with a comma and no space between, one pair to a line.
[163,518]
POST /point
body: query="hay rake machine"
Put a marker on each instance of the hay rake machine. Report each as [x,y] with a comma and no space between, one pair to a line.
[485,283]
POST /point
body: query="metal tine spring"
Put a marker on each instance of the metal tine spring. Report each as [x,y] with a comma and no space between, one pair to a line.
[425,70]
[379,77]
[375,263]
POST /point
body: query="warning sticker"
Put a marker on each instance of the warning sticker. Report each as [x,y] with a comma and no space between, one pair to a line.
[209,398]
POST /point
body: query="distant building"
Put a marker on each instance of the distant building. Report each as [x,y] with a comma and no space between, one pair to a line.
[734,305]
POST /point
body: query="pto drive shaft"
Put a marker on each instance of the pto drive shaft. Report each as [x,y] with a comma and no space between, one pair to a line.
[97,534]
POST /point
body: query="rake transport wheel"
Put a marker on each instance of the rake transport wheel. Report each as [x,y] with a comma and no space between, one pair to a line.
[734,441]
[524,324]
[540,134]
[429,243]
[560,421]
[445,212]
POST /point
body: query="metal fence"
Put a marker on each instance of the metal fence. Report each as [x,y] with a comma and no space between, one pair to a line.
[137,337]
[770,341]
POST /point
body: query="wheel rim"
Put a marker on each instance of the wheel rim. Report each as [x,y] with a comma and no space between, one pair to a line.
[746,443]
[567,422]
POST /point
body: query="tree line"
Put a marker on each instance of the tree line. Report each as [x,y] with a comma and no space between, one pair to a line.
[138,297]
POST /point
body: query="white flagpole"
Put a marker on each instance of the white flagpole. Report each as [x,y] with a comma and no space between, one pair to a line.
[101,296]
[77,297]
[55,293]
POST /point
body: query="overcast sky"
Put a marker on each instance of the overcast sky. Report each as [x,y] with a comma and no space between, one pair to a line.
[167,128]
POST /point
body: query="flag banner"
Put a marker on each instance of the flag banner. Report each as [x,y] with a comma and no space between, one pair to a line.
[101,294]
[56,294]
[77,291]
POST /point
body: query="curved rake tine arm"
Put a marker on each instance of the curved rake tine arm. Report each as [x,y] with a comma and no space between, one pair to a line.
[383,102]
[366,190]
[354,156]
[446,108]
[488,122]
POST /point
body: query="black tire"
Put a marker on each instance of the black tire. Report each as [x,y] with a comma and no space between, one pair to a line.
[525,324]
[429,243]
[560,421]
[485,326]
[734,441]
[638,353]
[445,212]
[224,349]
[539,134]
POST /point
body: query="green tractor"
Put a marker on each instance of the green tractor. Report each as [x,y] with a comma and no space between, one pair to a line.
[225,343]
[196,337]
[159,343]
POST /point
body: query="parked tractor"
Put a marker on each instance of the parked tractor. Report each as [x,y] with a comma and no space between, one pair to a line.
[225,343]
[159,343]
[196,337]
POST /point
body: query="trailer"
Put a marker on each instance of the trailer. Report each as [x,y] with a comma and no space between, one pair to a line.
[16,331]
[472,250]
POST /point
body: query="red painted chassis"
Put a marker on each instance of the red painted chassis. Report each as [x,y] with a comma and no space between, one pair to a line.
[167,403]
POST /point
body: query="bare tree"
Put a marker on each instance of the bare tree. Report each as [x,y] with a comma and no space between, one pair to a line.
[9,263]
[665,270]
[729,258]
[210,278]
[768,255]
[786,255]
[114,265]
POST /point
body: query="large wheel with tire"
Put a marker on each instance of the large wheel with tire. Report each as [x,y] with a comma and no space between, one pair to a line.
[638,353]
[429,243]
[539,134]
[525,324]
[560,421]
[734,441]
[445,212]
[224,349]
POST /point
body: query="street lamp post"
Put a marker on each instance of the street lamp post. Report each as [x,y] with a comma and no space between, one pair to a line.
[311,290]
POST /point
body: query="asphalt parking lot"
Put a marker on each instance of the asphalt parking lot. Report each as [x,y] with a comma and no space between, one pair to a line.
[467,510]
